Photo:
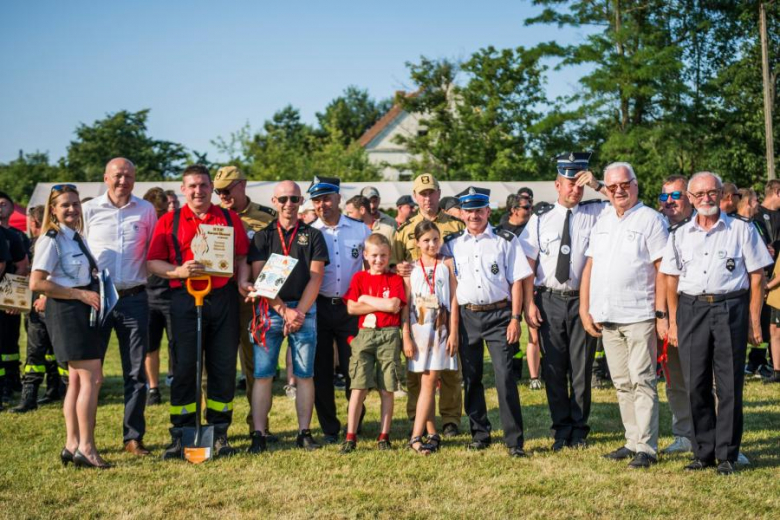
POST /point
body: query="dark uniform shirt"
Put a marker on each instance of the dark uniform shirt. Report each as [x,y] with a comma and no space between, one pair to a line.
[308,245]
[771,221]
[18,245]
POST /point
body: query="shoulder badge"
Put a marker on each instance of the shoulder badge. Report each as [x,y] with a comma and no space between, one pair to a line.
[739,217]
[504,233]
[52,233]
[452,236]
[675,227]
[591,201]
[266,209]
[405,224]
[542,208]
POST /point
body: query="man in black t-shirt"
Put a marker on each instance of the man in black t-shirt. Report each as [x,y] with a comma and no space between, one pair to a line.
[292,313]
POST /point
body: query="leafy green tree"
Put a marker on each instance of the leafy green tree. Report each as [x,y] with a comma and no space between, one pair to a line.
[123,134]
[351,114]
[20,176]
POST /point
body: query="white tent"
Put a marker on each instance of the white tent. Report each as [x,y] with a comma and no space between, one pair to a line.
[261,191]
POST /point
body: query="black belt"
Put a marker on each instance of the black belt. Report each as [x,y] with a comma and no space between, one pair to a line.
[330,301]
[123,293]
[542,289]
[714,298]
[487,307]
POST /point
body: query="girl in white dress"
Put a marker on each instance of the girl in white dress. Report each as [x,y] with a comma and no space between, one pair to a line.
[428,344]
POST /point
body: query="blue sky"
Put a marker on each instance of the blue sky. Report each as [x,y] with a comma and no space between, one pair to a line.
[206,68]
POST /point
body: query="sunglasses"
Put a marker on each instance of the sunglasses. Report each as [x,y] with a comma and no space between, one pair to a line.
[225,191]
[622,185]
[60,187]
[295,199]
[675,195]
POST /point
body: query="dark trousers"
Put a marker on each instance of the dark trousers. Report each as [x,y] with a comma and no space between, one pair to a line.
[333,324]
[476,329]
[568,364]
[130,320]
[40,360]
[220,349]
[713,341]
[9,346]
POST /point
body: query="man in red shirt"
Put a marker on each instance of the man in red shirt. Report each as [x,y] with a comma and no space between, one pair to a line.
[170,257]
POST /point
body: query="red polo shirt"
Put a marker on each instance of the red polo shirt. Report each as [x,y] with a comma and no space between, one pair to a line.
[161,247]
[386,285]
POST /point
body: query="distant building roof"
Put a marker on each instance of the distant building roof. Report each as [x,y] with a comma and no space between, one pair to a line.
[387,119]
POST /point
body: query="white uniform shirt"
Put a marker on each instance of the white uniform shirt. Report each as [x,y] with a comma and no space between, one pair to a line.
[622,283]
[120,237]
[345,244]
[541,241]
[486,265]
[63,259]
[703,258]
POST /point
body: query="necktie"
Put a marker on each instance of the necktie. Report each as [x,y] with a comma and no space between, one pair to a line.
[80,242]
[564,253]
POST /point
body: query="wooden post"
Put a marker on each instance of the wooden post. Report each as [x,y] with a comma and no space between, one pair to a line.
[768,96]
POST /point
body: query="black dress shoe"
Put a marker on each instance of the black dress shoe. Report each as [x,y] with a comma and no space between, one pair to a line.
[642,461]
[621,453]
[66,456]
[330,439]
[698,465]
[726,467]
[450,430]
[578,444]
[559,444]
[81,461]
[477,445]
[516,452]
[258,443]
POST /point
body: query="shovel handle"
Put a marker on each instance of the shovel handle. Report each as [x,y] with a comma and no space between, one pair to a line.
[199,294]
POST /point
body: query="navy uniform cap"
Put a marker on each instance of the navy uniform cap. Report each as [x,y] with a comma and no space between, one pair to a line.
[474,198]
[570,164]
[323,186]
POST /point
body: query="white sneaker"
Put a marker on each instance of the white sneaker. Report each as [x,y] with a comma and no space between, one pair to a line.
[291,391]
[680,445]
[742,460]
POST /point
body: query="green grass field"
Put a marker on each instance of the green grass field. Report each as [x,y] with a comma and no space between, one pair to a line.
[453,483]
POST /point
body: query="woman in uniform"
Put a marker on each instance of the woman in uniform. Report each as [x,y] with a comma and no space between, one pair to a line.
[63,270]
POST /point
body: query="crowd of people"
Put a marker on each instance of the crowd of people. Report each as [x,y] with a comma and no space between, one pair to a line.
[680,286]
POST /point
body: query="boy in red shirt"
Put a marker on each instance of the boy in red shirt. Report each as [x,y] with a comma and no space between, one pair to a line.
[377,297]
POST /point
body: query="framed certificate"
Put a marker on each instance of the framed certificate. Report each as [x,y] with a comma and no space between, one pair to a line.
[15,293]
[275,272]
[212,246]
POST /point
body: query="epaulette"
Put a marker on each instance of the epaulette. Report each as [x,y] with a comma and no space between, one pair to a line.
[399,228]
[456,219]
[452,236]
[266,209]
[542,208]
[504,233]
[591,201]
[52,233]
[740,217]
[684,221]
[352,219]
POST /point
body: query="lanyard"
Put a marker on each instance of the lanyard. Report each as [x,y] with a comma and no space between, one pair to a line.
[286,247]
[432,282]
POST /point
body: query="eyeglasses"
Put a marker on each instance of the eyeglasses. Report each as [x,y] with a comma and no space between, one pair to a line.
[60,187]
[226,191]
[295,199]
[675,195]
[623,186]
[700,195]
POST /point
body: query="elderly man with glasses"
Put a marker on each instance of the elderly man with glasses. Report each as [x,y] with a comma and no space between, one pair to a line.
[619,302]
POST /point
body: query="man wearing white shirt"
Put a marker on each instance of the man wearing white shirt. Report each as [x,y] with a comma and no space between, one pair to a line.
[714,266]
[119,226]
[619,302]
[490,268]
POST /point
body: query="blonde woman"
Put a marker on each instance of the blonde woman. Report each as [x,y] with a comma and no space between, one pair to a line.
[63,270]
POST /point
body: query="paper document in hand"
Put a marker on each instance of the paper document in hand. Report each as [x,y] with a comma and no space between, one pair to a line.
[108,295]
[275,272]
[212,246]
[15,293]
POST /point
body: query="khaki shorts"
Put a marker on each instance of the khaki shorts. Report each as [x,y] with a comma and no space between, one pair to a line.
[373,362]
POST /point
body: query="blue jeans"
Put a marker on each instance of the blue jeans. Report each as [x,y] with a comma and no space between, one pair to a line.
[303,344]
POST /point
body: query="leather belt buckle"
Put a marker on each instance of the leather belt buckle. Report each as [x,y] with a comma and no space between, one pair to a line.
[709,298]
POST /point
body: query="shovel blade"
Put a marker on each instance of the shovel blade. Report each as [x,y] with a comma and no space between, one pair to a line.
[197,453]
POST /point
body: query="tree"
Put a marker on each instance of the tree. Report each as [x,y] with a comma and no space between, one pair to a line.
[20,176]
[351,114]
[123,134]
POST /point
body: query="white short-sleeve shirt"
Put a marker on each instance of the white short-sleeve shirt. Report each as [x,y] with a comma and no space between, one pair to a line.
[120,237]
[624,249]
[486,265]
[541,241]
[345,242]
[716,261]
[62,258]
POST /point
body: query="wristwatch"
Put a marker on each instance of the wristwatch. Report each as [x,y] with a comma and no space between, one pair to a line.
[517,317]
[661,315]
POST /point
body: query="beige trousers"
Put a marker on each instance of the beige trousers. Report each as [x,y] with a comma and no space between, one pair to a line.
[631,351]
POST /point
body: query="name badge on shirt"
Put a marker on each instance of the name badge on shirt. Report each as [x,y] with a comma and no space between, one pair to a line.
[426,302]
[369,322]
[730,264]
